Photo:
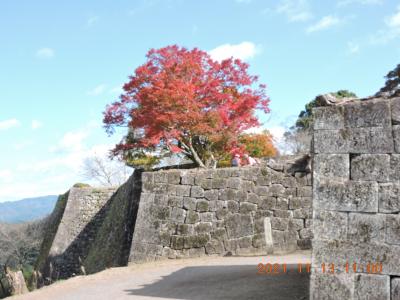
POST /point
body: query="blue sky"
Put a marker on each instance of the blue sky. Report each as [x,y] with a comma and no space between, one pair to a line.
[62,62]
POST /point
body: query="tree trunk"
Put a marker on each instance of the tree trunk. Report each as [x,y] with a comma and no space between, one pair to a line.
[196,156]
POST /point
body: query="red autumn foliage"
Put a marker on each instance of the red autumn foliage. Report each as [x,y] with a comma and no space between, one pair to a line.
[184,101]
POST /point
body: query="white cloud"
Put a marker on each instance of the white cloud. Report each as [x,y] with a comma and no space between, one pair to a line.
[7,124]
[71,141]
[362,2]
[36,124]
[45,53]
[244,51]
[353,48]
[325,23]
[295,10]
[393,21]
[390,32]
[116,90]
[98,90]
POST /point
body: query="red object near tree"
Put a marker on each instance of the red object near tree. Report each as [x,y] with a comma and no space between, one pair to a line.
[185,102]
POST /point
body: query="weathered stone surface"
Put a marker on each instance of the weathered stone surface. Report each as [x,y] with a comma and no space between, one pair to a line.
[302,213]
[246,207]
[234,183]
[177,242]
[330,287]
[366,227]
[267,203]
[354,140]
[396,137]
[282,203]
[306,233]
[393,229]
[202,205]
[183,190]
[395,288]
[175,201]
[372,287]
[341,252]
[189,203]
[215,247]
[283,213]
[238,225]
[330,225]
[197,192]
[331,166]
[203,227]
[192,217]
[347,196]
[328,117]
[389,197]
[395,109]
[187,179]
[174,177]
[367,114]
[279,223]
[296,224]
[299,202]
[211,195]
[196,241]
[395,167]
[374,167]
[304,191]
[277,190]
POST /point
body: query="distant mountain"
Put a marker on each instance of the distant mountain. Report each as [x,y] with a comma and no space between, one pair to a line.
[26,210]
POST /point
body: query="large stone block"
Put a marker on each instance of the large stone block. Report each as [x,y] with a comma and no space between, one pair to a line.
[329,287]
[389,197]
[395,108]
[300,202]
[372,113]
[366,227]
[328,117]
[174,177]
[372,287]
[330,225]
[196,241]
[396,137]
[331,141]
[215,247]
[395,167]
[280,223]
[347,196]
[178,215]
[238,225]
[374,167]
[197,192]
[183,190]
[246,207]
[395,290]
[393,229]
[354,140]
[341,252]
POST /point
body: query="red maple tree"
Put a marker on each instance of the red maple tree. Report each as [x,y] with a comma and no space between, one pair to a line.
[185,102]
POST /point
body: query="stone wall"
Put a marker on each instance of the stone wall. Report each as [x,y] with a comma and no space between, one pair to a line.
[190,213]
[75,221]
[111,246]
[356,173]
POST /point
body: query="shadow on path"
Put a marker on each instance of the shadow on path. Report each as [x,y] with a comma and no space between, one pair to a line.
[228,282]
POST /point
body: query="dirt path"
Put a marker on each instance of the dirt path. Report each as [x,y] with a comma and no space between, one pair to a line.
[191,279]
